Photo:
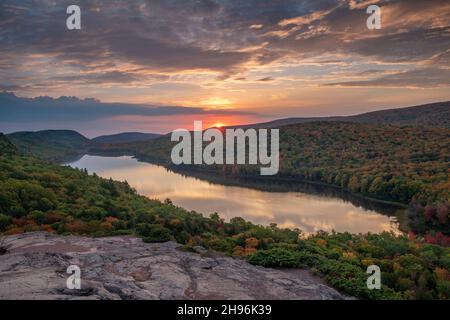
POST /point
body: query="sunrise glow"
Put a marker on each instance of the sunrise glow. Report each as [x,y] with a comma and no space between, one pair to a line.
[218,125]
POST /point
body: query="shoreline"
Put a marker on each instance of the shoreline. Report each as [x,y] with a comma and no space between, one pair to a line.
[280,184]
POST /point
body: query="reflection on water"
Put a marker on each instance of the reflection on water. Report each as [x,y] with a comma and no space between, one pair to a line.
[309,212]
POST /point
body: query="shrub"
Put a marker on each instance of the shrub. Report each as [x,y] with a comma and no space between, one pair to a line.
[5,221]
[155,233]
[276,257]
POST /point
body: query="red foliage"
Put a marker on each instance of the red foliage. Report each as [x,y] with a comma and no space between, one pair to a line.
[439,238]
[111,219]
[443,213]
[53,216]
[77,226]
[14,230]
[429,212]
[429,238]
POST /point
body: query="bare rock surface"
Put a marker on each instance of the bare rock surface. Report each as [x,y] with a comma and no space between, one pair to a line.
[127,268]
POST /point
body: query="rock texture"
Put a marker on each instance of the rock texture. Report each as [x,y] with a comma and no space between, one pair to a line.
[126,268]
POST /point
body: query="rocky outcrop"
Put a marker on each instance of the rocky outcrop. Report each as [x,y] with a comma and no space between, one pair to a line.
[35,267]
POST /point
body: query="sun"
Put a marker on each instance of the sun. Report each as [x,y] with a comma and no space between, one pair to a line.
[218,125]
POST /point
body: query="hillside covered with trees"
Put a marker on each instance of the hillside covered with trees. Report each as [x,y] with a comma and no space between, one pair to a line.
[56,145]
[430,115]
[37,195]
[62,145]
[403,164]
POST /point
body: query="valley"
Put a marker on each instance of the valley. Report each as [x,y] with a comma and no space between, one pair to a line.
[404,164]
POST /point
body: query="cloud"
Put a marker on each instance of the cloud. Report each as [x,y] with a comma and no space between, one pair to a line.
[170,57]
[102,77]
[420,78]
[149,41]
[266,79]
[72,109]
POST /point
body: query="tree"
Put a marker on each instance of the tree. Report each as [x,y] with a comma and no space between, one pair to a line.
[443,213]
[5,221]
[429,212]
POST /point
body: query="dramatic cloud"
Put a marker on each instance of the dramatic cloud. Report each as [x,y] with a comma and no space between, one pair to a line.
[250,53]
[421,78]
[13,108]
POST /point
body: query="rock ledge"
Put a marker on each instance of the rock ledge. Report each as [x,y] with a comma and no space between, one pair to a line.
[126,268]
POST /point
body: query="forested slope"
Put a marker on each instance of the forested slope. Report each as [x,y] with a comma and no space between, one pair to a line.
[404,164]
[428,115]
[55,145]
[37,195]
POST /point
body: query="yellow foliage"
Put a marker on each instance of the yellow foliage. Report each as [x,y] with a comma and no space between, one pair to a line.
[111,219]
[175,222]
[251,242]
[249,251]
[106,226]
[238,251]
[367,262]
[13,230]
[349,255]
[442,274]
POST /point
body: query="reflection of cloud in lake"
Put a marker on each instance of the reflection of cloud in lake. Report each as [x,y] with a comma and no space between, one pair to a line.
[308,212]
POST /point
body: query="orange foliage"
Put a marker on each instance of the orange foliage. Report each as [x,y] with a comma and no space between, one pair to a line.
[251,243]
[442,274]
[77,226]
[175,222]
[106,226]
[13,230]
[53,217]
[349,255]
[111,219]
[47,228]
[20,222]
[239,251]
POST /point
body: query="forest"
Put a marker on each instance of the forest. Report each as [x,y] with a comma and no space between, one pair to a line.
[38,195]
[408,165]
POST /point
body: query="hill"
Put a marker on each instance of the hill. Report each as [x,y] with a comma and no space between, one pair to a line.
[125,137]
[55,145]
[395,162]
[408,165]
[433,115]
[40,196]
[6,147]
[64,145]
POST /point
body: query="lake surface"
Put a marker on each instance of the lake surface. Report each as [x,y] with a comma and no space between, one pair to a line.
[309,212]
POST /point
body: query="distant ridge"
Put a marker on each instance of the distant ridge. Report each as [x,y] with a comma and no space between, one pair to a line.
[50,144]
[6,147]
[62,145]
[433,114]
[125,137]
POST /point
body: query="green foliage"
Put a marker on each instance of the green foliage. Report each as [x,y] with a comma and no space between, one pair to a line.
[54,145]
[6,147]
[5,221]
[37,195]
[154,232]
[415,271]
[277,257]
[407,165]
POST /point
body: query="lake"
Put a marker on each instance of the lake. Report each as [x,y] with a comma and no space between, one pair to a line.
[310,212]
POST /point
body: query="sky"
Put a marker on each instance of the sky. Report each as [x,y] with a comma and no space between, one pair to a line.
[221,61]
